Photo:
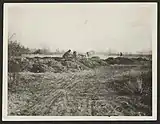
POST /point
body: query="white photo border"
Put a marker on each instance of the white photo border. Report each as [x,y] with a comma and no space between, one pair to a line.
[5,117]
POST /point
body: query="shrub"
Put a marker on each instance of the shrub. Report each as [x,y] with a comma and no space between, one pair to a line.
[38,68]
[147,88]
[133,84]
[139,90]
[13,65]
[16,49]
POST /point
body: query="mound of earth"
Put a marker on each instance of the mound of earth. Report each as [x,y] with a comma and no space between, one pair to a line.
[40,65]
[58,64]
[125,61]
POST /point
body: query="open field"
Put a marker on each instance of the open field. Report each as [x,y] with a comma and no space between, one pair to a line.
[111,90]
[79,60]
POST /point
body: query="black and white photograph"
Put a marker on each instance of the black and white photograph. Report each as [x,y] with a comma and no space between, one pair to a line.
[79,61]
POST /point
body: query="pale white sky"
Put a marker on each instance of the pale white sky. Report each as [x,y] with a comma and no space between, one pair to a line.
[83,27]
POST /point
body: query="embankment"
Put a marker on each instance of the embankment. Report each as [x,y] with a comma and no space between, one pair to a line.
[58,64]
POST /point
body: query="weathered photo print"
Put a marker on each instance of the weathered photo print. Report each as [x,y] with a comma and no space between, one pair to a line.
[90,61]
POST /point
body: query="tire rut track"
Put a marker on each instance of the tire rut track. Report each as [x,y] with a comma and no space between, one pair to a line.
[60,93]
[57,93]
[65,84]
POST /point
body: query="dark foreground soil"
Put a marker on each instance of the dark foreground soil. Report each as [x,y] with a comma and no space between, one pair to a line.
[114,90]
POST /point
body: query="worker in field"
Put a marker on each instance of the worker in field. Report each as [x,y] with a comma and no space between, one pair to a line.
[121,54]
[88,54]
[67,55]
[75,59]
[74,55]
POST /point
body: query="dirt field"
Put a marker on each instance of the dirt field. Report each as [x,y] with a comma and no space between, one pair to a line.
[103,91]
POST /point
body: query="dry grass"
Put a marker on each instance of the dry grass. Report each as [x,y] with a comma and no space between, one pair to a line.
[107,91]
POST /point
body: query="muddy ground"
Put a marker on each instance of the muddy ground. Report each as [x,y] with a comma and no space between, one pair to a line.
[114,89]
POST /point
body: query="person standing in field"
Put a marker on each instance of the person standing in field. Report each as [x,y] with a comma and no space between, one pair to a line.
[75,59]
[75,55]
[88,54]
[66,55]
[121,54]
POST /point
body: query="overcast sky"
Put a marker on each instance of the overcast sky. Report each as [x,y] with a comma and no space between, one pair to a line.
[83,27]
